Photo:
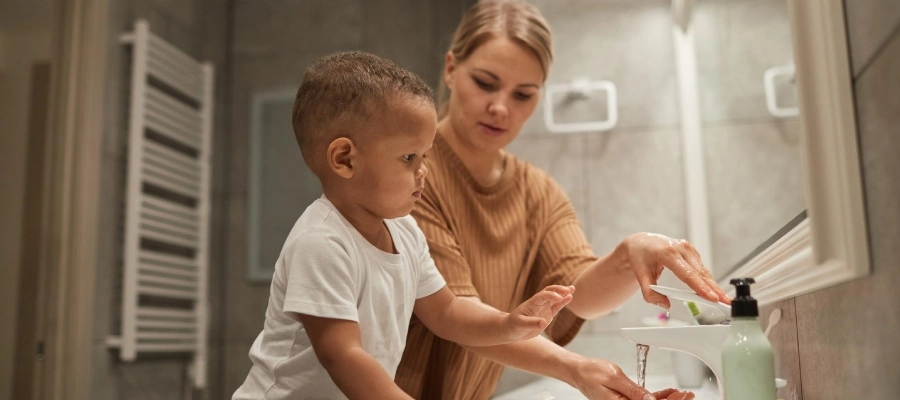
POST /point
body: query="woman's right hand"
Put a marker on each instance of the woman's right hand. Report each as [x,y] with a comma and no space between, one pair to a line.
[600,379]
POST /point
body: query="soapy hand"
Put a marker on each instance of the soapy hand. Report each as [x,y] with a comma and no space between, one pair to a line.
[599,379]
[673,394]
[530,318]
[650,253]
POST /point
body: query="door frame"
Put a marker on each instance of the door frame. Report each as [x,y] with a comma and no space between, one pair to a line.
[69,203]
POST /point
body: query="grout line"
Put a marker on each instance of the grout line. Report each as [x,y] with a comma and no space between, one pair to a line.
[894,35]
[799,383]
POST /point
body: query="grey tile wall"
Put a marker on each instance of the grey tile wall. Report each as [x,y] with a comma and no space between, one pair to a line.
[785,346]
[297,27]
[870,24]
[847,333]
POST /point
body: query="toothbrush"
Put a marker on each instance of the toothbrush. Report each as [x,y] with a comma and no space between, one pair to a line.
[694,311]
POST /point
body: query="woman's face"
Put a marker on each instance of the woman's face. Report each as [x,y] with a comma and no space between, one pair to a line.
[492,93]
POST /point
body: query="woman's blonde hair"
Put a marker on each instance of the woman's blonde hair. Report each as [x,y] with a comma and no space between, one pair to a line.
[486,19]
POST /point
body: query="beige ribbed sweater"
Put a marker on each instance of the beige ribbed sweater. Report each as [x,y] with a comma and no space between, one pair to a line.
[500,243]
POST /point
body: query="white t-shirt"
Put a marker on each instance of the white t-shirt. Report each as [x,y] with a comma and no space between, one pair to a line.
[327,269]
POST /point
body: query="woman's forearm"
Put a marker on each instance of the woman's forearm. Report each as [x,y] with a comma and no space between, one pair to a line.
[604,285]
[537,355]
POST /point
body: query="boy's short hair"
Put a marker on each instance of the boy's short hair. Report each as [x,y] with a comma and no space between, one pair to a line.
[344,91]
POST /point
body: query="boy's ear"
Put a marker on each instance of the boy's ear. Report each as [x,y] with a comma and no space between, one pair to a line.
[449,67]
[341,156]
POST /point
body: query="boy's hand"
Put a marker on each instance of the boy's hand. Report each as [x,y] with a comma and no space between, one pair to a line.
[530,318]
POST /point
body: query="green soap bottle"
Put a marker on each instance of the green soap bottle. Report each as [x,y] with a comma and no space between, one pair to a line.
[747,360]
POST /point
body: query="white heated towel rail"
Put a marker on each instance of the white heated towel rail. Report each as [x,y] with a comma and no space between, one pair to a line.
[164,298]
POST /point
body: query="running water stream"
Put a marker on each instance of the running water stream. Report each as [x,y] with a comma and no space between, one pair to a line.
[642,350]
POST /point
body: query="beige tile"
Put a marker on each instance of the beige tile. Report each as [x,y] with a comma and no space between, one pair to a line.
[870,24]
[294,27]
[237,365]
[152,378]
[103,377]
[246,302]
[600,40]
[254,75]
[182,12]
[634,184]
[847,333]
[754,180]
[404,32]
[186,38]
[783,337]
[110,227]
[146,10]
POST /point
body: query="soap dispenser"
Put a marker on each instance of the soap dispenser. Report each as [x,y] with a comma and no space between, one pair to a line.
[748,363]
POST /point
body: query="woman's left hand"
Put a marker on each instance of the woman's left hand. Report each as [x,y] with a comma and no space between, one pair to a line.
[649,253]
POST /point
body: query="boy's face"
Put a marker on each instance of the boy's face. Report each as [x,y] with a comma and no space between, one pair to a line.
[391,173]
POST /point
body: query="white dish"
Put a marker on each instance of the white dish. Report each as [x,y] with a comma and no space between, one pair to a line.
[680,294]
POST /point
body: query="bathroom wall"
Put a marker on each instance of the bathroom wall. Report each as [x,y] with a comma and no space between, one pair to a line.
[273,44]
[198,27]
[24,43]
[840,342]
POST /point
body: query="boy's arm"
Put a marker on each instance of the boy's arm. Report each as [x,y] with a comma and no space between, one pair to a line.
[474,324]
[339,349]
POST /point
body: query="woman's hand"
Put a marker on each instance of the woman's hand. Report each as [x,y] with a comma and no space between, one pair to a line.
[649,253]
[599,379]
[530,318]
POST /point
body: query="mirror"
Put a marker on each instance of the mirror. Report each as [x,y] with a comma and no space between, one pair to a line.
[732,121]
[749,124]
[830,246]
[281,185]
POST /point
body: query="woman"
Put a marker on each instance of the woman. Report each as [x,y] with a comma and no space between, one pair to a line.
[499,229]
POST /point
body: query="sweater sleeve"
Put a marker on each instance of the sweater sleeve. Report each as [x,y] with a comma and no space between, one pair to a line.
[563,253]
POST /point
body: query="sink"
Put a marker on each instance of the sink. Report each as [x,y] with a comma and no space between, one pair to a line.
[617,349]
[548,388]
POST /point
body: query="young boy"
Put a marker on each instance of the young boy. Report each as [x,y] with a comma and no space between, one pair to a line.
[355,266]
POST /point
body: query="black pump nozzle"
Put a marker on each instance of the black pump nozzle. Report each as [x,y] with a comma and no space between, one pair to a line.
[743,304]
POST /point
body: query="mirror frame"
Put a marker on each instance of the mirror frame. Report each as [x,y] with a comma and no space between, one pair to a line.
[831,245]
[256,273]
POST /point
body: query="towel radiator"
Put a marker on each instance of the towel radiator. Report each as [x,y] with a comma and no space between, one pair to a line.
[165,272]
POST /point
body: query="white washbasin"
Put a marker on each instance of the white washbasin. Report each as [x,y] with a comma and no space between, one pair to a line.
[615,348]
[548,388]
